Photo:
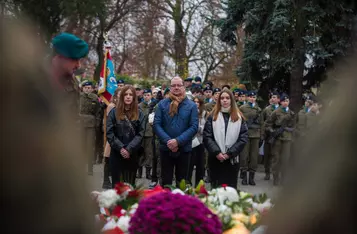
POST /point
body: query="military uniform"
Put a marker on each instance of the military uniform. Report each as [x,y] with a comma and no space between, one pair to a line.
[306,119]
[249,155]
[89,117]
[239,104]
[146,159]
[284,119]
[265,115]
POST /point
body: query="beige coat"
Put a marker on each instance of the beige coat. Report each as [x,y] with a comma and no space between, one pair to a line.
[107,146]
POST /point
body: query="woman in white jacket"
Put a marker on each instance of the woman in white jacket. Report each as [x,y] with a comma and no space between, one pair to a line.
[198,150]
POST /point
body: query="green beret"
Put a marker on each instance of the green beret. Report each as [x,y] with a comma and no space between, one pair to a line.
[70,46]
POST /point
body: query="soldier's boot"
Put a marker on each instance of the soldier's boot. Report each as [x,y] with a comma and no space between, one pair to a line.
[267,175]
[106,181]
[251,178]
[148,173]
[139,173]
[244,180]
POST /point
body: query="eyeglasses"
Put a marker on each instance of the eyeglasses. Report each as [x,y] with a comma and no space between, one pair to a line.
[176,85]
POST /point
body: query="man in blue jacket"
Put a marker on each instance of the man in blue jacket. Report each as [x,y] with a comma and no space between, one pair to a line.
[175,124]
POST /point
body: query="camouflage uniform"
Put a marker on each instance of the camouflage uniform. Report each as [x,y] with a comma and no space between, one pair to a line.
[89,116]
[281,146]
[265,115]
[249,155]
[146,159]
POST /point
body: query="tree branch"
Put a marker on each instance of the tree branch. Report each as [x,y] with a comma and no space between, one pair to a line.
[197,41]
[190,15]
[155,4]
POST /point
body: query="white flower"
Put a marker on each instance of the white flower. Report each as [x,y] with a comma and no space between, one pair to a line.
[244,195]
[178,191]
[108,198]
[262,206]
[212,199]
[224,209]
[227,193]
[110,225]
[133,209]
[123,223]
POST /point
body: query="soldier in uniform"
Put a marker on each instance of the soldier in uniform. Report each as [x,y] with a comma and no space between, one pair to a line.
[121,84]
[281,126]
[146,159]
[249,155]
[236,94]
[208,92]
[265,115]
[307,117]
[241,98]
[67,52]
[209,106]
[198,80]
[90,117]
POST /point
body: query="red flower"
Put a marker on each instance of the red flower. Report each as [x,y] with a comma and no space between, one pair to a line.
[117,211]
[134,194]
[203,190]
[156,190]
[116,230]
[121,187]
[224,186]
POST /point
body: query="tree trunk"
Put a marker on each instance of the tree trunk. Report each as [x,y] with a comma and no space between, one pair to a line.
[99,49]
[299,60]
[180,42]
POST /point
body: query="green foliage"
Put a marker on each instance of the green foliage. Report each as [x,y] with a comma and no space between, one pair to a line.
[127,79]
[145,83]
[272,26]
[49,14]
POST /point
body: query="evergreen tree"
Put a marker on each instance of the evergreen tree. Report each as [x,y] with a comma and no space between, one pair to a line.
[282,36]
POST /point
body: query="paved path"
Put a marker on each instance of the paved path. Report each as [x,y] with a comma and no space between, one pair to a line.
[262,186]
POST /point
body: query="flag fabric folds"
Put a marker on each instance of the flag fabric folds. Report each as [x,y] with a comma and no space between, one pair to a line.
[107,82]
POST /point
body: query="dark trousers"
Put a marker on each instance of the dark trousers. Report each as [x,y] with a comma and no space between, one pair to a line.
[170,162]
[123,170]
[267,157]
[223,172]
[198,160]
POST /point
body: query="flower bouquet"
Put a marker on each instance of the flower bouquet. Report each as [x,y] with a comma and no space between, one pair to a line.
[180,210]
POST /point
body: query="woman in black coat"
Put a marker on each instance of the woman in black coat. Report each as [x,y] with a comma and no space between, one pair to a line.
[224,137]
[125,131]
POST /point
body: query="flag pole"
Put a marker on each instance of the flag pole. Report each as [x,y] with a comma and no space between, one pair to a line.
[107,102]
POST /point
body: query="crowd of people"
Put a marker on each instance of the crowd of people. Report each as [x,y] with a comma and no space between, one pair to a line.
[188,126]
[192,126]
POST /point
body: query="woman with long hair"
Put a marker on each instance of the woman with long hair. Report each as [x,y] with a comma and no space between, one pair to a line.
[106,181]
[125,131]
[224,137]
[198,150]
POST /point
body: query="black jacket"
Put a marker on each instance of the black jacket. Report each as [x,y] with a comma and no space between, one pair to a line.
[211,145]
[119,134]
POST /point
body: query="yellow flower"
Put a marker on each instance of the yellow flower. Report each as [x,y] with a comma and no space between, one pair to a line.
[240,218]
[239,228]
[253,219]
